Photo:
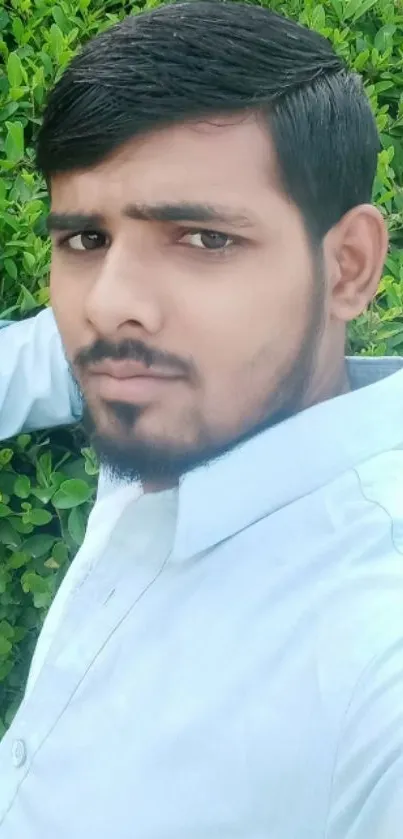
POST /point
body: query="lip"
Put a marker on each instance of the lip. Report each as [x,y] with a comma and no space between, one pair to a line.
[128,381]
[127,369]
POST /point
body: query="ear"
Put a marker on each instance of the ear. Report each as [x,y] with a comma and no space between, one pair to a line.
[355,252]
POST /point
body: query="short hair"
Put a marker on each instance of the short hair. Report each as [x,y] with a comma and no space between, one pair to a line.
[185,61]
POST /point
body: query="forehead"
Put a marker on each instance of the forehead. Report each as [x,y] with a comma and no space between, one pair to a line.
[227,161]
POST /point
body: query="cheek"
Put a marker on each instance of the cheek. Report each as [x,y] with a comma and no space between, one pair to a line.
[67,300]
[247,338]
[260,316]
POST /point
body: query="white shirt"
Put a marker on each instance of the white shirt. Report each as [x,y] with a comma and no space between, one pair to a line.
[228,661]
[36,390]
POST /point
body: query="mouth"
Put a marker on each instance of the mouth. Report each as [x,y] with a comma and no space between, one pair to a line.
[130,381]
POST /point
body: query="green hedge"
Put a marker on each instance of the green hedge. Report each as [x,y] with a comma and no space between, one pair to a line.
[47,481]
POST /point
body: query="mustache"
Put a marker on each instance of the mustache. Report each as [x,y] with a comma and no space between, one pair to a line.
[131,350]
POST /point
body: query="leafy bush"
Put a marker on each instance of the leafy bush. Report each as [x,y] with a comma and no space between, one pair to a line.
[45,494]
[47,481]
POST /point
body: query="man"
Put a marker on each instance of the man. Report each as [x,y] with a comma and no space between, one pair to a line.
[228,658]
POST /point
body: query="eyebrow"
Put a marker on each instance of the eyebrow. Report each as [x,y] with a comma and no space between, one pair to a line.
[173,213]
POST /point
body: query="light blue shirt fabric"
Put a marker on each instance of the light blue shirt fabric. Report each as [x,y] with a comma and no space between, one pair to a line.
[36,390]
[229,660]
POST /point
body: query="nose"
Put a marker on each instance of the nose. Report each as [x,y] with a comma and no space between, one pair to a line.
[125,292]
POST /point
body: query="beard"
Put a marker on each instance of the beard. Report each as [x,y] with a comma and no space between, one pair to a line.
[152,462]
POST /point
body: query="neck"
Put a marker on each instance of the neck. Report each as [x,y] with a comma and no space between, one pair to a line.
[330,384]
[158,486]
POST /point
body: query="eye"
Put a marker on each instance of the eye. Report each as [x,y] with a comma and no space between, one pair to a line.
[89,241]
[210,240]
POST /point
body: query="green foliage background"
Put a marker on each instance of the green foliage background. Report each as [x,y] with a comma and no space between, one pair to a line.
[47,481]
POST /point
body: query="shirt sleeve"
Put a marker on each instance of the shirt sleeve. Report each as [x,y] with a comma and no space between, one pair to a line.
[367,794]
[36,388]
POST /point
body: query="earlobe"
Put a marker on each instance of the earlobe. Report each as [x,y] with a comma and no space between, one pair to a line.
[359,246]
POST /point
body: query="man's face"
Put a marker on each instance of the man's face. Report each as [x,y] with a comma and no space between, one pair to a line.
[191,306]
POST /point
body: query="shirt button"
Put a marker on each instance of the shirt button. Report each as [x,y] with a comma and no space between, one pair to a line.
[19,753]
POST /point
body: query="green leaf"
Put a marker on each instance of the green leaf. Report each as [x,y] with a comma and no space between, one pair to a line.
[18,30]
[34,583]
[51,563]
[6,630]
[44,469]
[363,8]
[6,483]
[361,60]
[4,580]
[38,545]
[42,599]
[23,440]
[40,517]
[11,268]
[14,142]
[21,526]
[27,300]
[318,18]
[39,93]
[4,19]
[15,73]
[17,93]
[384,38]
[60,553]
[91,462]
[29,260]
[43,494]
[354,9]
[5,456]
[77,523]
[60,19]
[18,559]
[5,511]
[10,221]
[8,110]
[5,646]
[29,618]
[8,535]
[22,486]
[338,8]
[19,633]
[42,297]
[56,40]
[72,493]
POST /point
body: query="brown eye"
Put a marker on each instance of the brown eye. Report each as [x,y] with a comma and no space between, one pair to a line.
[210,240]
[89,241]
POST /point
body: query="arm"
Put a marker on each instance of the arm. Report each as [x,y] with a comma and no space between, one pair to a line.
[36,389]
[367,795]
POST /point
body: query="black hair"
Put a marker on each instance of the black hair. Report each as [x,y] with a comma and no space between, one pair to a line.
[196,59]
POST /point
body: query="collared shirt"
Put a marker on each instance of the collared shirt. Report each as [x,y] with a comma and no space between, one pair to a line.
[227,660]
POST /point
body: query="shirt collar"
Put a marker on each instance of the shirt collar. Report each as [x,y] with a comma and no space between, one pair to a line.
[294,458]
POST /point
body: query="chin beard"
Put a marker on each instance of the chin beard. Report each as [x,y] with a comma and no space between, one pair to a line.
[148,461]
[163,463]
[134,459]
